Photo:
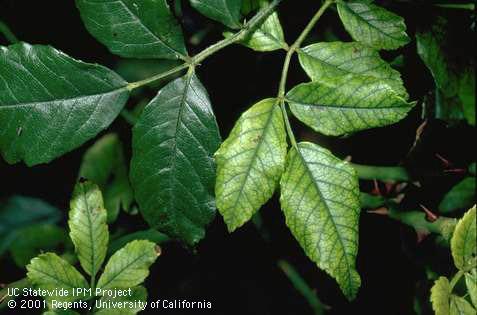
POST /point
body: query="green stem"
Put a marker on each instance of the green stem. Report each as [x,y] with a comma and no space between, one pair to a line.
[5,30]
[302,287]
[287,124]
[134,85]
[250,26]
[286,65]
[461,6]
[384,173]
[197,59]
[369,201]
[417,219]
[456,279]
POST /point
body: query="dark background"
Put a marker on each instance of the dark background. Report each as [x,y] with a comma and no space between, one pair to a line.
[238,272]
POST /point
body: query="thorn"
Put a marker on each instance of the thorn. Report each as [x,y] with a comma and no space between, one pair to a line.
[380,211]
[348,158]
[444,161]
[2,285]
[456,171]
[432,217]
[417,184]
[376,191]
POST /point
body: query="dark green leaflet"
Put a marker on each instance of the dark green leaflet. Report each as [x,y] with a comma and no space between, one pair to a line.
[224,11]
[134,28]
[172,169]
[51,103]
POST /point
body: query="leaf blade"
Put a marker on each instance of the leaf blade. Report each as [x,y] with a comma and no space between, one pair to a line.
[251,160]
[463,244]
[172,169]
[52,103]
[48,271]
[226,12]
[323,60]
[309,213]
[373,25]
[440,296]
[88,228]
[268,36]
[346,104]
[129,266]
[136,29]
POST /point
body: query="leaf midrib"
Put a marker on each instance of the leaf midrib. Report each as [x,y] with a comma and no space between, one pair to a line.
[330,215]
[151,32]
[40,103]
[254,155]
[345,5]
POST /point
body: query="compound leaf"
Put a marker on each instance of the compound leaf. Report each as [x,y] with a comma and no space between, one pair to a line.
[373,25]
[320,199]
[49,271]
[129,266]
[250,163]
[226,12]
[463,242]
[87,222]
[346,104]
[172,168]
[51,103]
[323,60]
[136,29]
[440,296]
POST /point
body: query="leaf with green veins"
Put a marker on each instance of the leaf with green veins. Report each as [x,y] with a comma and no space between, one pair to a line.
[87,222]
[268,37]
[136,29]
[471,283]
[129,266]
[461,196]
[346,104]
[460,306]
[373,25]
[51,104]
[130,306]
[19,212]
[49,271]
[324,60]
[463,242]
[440,296]
[320,199]
[172,168]
[250,163]
[104,164]
[33,240]
[226,12]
